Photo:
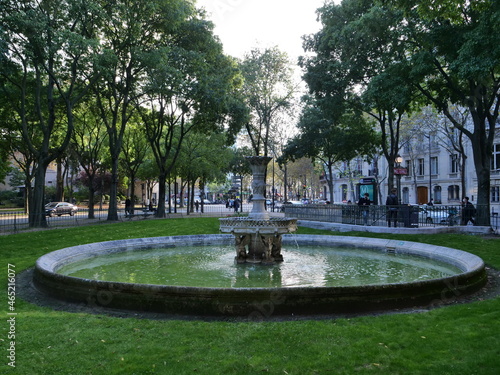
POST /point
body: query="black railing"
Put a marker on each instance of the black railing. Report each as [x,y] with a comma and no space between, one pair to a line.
[13,221]
[406,216]
[410,216]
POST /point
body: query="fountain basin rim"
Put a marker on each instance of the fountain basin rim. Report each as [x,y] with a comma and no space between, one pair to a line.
[264,226]
[249,220]
[240,301]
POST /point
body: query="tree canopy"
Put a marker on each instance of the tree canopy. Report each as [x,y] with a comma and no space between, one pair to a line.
[387,56]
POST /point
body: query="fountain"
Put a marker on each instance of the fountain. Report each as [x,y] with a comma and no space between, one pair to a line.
[258,238]
[238,298]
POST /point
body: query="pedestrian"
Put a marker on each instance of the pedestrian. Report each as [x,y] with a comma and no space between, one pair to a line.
[392,208]
[364,204]
[468,212]
[236,204]
[197,205]
[128,206]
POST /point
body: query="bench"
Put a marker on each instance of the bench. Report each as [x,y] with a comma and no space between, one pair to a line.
[145,214]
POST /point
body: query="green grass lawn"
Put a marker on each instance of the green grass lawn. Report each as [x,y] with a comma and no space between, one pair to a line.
[457,339]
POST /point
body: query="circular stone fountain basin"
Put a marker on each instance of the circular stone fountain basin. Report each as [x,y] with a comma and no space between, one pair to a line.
[259,301]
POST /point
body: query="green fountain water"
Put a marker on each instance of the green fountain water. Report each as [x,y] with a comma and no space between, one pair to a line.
[207,266]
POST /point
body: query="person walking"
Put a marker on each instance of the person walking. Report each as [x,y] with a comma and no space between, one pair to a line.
[236,204]
[392,208]
[128,206]
[364,204]
[468,212]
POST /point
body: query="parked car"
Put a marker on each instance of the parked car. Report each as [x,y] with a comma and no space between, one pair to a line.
[60,208]
[439,215]
[205,201]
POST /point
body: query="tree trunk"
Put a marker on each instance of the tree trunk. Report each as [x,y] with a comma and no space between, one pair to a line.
[59,181]
[160,206]
[132,194]
[482,162]
[91,213]
[113,193]
[330,182]
[189,208]
[285,182]
[38,219]
[203,195]
[482,146]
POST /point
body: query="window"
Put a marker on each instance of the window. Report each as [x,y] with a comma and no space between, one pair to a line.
[359,166]
[454,167]
[421,167]
[453,193]
[434,165]
[495,159]
[406,195]
[344,192]
[453,136]
[432,139]
[408,167]
[495,193]
[373,169]
[437,194]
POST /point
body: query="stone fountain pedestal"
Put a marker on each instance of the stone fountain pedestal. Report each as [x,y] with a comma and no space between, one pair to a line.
[258,236]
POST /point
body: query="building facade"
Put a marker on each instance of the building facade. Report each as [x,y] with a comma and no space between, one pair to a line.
[433,170]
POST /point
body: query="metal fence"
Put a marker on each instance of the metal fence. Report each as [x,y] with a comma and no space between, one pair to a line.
[409,216]
[406,216]
[14,221]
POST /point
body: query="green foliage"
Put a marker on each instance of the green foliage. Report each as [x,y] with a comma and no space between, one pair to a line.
[453,59]
[238,164]
[388,56]
[204,156]
[331,141]
[268,91]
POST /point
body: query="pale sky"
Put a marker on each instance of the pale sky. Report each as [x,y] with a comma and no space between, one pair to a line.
[244,24]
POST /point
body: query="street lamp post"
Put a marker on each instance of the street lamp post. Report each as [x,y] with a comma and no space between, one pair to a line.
[398,171]
[430,170]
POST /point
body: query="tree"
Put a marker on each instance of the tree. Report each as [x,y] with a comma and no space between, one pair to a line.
[4,143]
[130,37]
[204,158]
[45,48]
[268,90]
[12,142]
[135,150]
[189,87]
[453,57]
[331,142]
[353,65]
[88,144]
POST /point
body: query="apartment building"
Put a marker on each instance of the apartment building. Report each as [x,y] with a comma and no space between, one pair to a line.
[432,167]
